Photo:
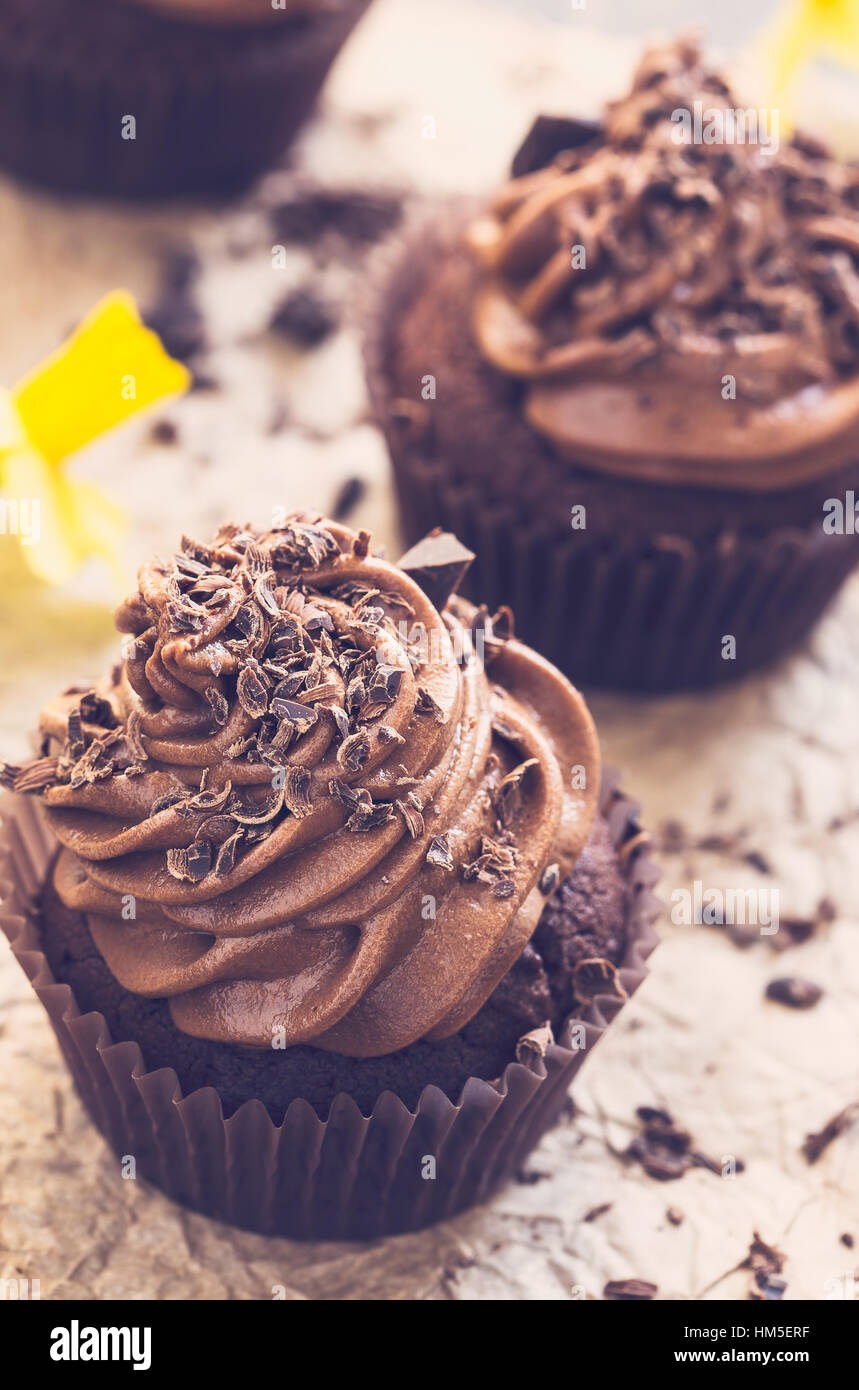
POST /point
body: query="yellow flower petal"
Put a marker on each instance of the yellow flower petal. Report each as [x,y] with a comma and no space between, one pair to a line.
[111,367]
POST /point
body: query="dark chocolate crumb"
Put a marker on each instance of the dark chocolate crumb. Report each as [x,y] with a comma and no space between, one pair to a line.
[630,1290]
[597,1211]
[304,317]
[796,993]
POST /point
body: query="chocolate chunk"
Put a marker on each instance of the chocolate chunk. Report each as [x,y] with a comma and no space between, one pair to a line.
[164,432]
[795,992]
[550,136]
[815,1144]
[357,215]
[304,317]
[437,564]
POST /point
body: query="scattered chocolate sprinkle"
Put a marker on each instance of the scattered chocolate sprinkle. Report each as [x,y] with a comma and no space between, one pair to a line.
[665,1150]
[630,1290]
[304,317]
[164,432]
[814,1145]
[674,1216]
[794,992]
[766,1263]
[357,215]
[596,1212]
[847,1240]
[361,544]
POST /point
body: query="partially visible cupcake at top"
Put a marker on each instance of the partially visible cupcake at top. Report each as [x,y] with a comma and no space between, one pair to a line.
[147,98]
[631,382]
[329,885]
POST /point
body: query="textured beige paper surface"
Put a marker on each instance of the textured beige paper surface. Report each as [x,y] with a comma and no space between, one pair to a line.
[753,787]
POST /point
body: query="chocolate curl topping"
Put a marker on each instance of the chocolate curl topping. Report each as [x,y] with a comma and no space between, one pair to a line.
[298,749]
[716,255]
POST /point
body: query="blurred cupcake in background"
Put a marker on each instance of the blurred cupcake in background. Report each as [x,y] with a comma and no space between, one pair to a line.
[631,383]
[148,98]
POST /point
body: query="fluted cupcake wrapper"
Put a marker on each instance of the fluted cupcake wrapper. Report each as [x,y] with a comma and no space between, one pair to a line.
[205,125]
[639,613]
[350,1176]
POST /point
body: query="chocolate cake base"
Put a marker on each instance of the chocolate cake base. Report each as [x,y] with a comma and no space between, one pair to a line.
[212,104]
[587,917]
[642,598]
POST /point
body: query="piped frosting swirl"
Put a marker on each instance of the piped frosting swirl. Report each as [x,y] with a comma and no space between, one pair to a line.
[303,809]
[632,274]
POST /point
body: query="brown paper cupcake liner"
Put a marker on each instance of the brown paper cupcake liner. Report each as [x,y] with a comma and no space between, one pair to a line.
[647,613]
[213,104]
[350,1176]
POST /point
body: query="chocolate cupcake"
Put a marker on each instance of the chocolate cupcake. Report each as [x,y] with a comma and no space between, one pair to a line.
[146,98]
[322,889]
[631,383]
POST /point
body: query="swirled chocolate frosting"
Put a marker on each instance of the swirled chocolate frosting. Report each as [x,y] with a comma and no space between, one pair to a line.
[304,809]
[677,290]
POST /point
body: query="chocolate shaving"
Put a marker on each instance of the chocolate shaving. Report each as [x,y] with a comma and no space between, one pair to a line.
[296,791]
[226,858]
[192,864]
[354,751]
[815,1145]
[251,693]
[410,810]
[630,1290]
[508,798]
[425,704]
[597,976]
[218,704]
[439,853]
[257,814]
